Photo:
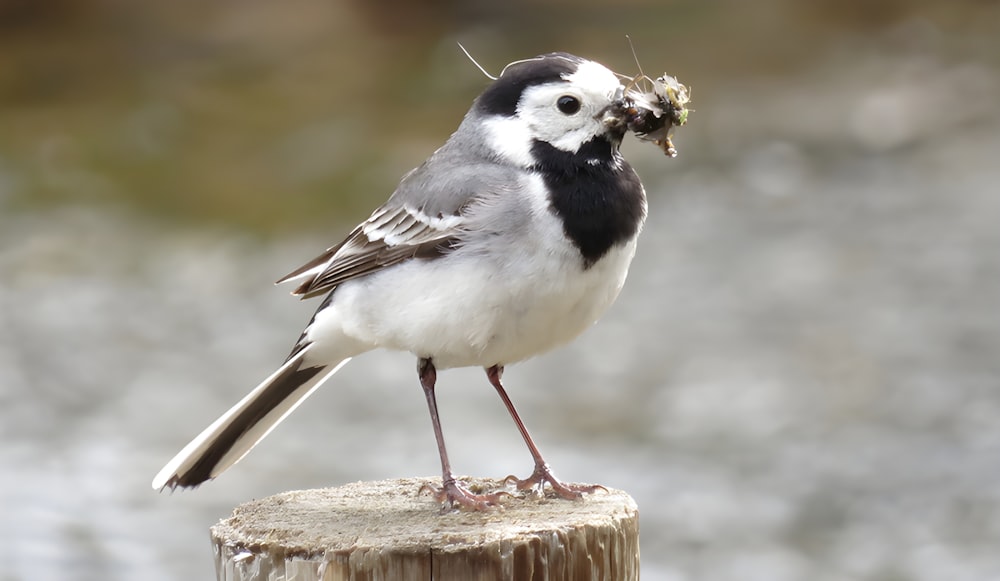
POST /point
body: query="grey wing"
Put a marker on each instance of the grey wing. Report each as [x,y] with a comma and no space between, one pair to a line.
[391,235]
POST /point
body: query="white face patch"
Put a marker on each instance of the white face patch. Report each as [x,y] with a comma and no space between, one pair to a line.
[510,138]
[538,117]
[596,79]
[593,85]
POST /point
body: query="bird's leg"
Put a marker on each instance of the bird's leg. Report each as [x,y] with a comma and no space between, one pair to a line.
[542,473]
[451,491]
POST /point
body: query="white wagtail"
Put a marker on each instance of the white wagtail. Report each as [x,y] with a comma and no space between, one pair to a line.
[511,239]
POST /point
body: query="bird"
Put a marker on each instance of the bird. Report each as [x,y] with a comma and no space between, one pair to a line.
[510,240]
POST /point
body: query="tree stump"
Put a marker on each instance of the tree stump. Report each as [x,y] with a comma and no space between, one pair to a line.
[386,530]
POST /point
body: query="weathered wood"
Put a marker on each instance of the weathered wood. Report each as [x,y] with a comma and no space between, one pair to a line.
[387,531]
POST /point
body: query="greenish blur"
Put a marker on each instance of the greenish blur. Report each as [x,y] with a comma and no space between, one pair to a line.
[272,115]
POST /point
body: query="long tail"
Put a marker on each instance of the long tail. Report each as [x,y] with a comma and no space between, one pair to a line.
[233,435]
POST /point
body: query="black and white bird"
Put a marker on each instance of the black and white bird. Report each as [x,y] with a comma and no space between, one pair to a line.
[510,240]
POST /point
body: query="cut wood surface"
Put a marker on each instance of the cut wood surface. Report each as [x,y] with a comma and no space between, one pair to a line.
[388,530]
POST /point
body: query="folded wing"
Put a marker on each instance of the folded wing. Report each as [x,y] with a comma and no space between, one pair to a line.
[391,235]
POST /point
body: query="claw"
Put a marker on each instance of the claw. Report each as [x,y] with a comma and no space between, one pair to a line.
[454,494]
[543,474]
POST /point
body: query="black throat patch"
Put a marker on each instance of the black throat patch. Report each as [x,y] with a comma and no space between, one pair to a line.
[595,192]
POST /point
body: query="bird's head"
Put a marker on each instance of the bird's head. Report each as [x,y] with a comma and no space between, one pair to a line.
[564,101]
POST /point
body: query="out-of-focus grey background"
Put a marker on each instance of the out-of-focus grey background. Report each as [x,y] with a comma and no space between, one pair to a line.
[801,379]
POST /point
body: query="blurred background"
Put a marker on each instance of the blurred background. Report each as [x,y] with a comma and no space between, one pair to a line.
[801,379]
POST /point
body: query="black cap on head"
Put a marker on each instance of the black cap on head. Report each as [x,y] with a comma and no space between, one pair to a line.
[502,96]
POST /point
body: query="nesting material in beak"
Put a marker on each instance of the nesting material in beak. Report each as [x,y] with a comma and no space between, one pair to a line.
[653,112]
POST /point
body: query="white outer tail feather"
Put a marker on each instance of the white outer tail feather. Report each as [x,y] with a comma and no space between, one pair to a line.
[196,449]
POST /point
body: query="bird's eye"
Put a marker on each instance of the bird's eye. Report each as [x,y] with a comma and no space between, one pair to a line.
[568,105]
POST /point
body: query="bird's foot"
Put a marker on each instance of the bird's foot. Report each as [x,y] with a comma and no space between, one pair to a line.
[543,474]
[454,494]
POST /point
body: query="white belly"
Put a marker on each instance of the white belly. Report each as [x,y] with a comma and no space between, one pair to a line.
[483,312]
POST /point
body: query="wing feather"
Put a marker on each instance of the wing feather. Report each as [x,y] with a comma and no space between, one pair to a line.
[389,236]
